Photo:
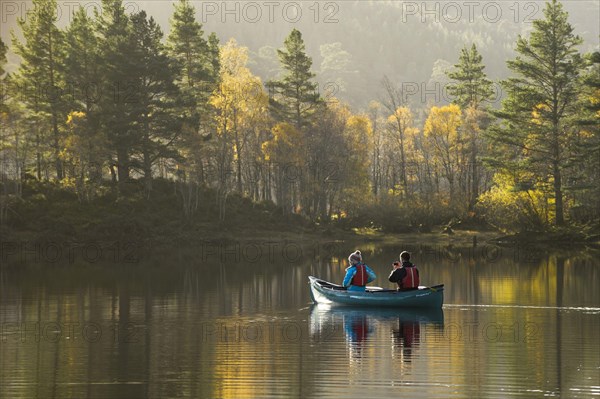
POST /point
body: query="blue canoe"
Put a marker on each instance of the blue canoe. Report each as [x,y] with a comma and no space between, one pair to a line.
[322,291]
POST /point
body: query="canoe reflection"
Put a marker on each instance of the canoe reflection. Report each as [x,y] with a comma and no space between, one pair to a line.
[358,324]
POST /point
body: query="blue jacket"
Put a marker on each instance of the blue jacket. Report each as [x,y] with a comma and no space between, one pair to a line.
[351,271]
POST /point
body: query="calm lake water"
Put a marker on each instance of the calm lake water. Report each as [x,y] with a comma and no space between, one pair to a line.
[237,322]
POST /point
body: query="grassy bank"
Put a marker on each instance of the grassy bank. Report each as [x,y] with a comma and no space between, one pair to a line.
[46,212]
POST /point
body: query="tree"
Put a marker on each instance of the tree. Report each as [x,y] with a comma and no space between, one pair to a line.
[80,68]
[197,70]
[374,112]
[295,97]
[118,74]
[537,129]
[401,126]
[82,151]
[471,88]
[38,73]
[284,150]
[329,172]
[443,134]
[394,102]
[156,127]
[193,57]
[80,64]
[214,58]
[240,102]
[358,135]
[15,134]
[507,205]
[188,47]
[584,178]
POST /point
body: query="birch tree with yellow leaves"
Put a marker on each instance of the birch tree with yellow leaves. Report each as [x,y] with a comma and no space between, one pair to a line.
[283,152]
[445,145]
[401,137]
[241,107]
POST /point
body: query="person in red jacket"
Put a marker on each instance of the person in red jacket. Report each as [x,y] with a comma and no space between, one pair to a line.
[406,275]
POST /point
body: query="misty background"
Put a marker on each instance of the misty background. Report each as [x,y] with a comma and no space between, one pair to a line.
[354,44]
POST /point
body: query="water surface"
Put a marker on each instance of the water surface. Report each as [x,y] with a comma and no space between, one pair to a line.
[515,323]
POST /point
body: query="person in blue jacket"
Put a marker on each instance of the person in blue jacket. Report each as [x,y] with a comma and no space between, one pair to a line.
[358,274]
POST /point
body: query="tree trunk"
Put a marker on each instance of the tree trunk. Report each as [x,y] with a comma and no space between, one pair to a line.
[122,165]
[239,167]
[238,153]
[147,172]
[403,163]
[59,168]
[474,176]
[38,154]
[558,199]
[54,99]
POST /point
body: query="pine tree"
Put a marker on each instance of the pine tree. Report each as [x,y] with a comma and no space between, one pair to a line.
[471,88]
[538,114]
[214,58]
[191,53]
[295,97]
[81,68]
[118,76]
[585,177]
[187,46]
[39,75]
[197,69]
[156,127]
[81,62]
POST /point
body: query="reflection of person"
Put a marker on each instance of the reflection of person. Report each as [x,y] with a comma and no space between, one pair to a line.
[407,336]
[406,275]
[357,328]
[358,274]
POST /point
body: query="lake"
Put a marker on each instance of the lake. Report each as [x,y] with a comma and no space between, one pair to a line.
[236,321]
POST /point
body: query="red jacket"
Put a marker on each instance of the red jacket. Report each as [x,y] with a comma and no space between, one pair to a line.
[406,276]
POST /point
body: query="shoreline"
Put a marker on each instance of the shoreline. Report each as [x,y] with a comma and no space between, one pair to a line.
[288,247]
[308,235]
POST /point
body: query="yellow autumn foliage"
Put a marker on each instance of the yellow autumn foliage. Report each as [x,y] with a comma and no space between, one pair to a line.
[508,205]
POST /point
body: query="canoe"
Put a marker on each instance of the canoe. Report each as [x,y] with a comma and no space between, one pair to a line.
[322,291]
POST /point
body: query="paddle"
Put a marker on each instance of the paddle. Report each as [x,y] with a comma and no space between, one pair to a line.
[434,289]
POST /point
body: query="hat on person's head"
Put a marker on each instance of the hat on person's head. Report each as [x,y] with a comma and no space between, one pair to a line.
[356,255]
[404,255]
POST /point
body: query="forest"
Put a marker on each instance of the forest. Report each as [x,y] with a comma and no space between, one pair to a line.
[111,127]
